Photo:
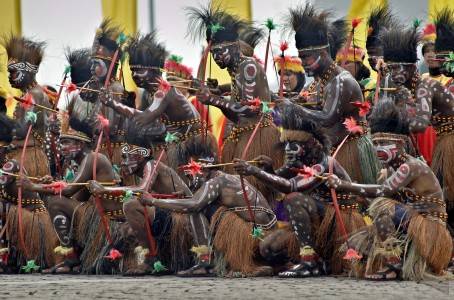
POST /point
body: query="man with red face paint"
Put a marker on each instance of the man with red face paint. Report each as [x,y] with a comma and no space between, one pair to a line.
[409,229]
[334,88]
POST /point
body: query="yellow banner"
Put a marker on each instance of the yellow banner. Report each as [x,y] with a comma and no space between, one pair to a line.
[10,16]
[361,9]
[123,13]
[437,5]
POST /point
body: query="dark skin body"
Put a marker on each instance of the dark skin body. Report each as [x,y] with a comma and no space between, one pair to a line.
[248,82]
[430,97]
[338,93]
[62,208]
[411,174]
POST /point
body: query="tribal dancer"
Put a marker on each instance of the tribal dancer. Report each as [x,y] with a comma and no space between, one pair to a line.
[25,57]
[167,104]
[248,82]
[308,201]
[37,239]
[165,226]
[73,212]
[408,210]
[427,101]
[218,200]
[379,19]
[354,63]
[336,89]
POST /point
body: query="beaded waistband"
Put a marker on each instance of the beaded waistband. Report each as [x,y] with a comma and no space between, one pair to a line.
[418,198]
[237,131]
[266,226]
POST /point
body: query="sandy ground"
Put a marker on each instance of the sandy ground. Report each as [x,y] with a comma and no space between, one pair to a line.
[169,287]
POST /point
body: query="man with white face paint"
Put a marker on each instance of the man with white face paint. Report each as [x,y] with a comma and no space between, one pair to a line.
[24,58]
[227,35]
[427,102]
[308,201]
[334,89]
[163,223]
[408,203]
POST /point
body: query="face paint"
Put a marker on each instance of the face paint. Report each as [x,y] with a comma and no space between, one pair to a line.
[21,73]
[386,153]
[70,149]
[98,68]
[130,163]
[223,54]
[293,152]
[11,168]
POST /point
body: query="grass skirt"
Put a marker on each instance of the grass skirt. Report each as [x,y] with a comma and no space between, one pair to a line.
[35,161]
[39,237]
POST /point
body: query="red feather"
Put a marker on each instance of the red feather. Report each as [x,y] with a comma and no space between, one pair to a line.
[71,88]
[27,102]
[254,102]
[304,94]
[56,187]
[103,121]
[364,107]
[352,255]
[355,22]
[306,172]
[164,85]
[429,29]
[352,126]
[283,46]
[192,168]
[114,254]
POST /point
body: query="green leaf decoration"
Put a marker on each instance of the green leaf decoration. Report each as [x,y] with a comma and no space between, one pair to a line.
[449,63]
[127,196]
[31,117]
[269,23]
[121,39]
[215,28]
[265,108]
[116,169]
[176,58]
[416,23]
[67,69]
[158,267]
[257,233]
[69,175]
[170,138]
[30,266]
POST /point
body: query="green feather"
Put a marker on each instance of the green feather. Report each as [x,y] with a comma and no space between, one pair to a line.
[67,69]
[416,23]
[176,58]
[127,196]
[257,233]
[121,39]
[30,266]
[158,267]
[31,117]
[170,138]
[215,28]
[265,108]
[269,23]
[69,175]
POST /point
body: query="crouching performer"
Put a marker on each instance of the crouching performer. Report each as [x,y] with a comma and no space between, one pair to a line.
[74,215]
[218,199]
[32,246]
[308,201]
[163,240]
[408,236]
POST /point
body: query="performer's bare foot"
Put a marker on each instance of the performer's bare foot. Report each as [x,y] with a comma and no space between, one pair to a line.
[301,270]
[140,270]
[199,270]
[384,274]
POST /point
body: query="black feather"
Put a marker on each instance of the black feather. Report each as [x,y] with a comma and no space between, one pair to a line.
[387,117]
[144,50]
[380,18]
[444,23]
[400,44]
[79,61]
[337,36]
[24,50]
